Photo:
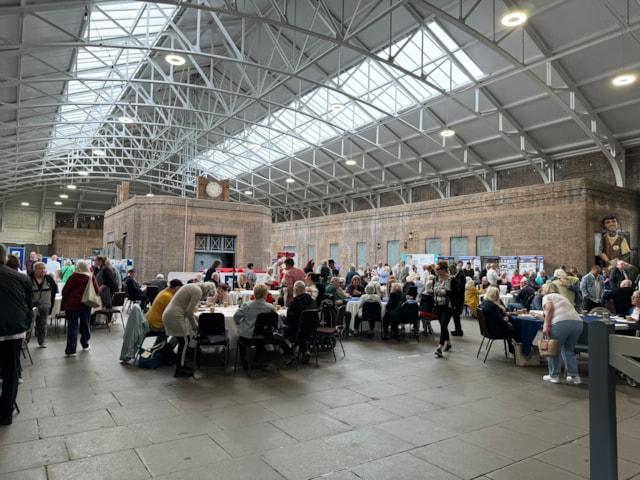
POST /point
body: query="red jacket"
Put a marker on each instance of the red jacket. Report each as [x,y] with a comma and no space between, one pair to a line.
[73,290]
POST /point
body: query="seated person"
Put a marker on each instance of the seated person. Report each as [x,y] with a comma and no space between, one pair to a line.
[245,318]
[407,285]
[484,284]
[504,281]
[310,283]
[369,296]
[133,289]
[635,310]
[355,289]
[524,297]
[621,297]
[391,314]
[375,281]
[301,301]
[498,324]
[154,315]
[270,279]
[335,292]
[516,279]
[221,297]
[472,296]
[159,282]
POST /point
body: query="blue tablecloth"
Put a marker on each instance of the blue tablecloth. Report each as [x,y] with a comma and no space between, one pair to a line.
[528,328]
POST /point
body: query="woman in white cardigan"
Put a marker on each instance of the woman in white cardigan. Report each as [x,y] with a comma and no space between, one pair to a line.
[179,320]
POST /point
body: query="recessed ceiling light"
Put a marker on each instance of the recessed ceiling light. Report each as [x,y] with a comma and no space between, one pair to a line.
[337,106]
[350,162]
[72,187]
[513,19]
[248,192]
[84,173]
[624,79]
[174,59]
[99,151]
[57,203]
[64,195]
[124,119]
[24,204]
[447,132]
[289,180]
[255,147]
[149,194]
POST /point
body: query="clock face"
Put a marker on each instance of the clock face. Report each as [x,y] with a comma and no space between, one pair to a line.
[214,189]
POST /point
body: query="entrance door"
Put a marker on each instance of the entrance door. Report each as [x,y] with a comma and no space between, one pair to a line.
[393,252]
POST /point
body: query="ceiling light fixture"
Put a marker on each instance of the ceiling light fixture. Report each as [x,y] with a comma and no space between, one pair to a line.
[124,119]
[255,146]
[57,203]
[72,187]
[248,192]
[174,59]
[64,195]
[447,132]
[351,161]
[99,151]
[623,79]
[84,173]
[24,204]
[337,106]
[289,180]
[513,19]
[149,194]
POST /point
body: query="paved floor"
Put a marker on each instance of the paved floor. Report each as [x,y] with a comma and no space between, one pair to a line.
[387,411]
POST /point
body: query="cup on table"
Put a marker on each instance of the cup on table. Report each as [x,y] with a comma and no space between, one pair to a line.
[212,309]
[585,312]
[225,304]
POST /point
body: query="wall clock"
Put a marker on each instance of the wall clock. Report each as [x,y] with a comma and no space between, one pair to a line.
[213,189]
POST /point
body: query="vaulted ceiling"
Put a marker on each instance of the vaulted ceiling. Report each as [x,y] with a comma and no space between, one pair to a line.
[308,104]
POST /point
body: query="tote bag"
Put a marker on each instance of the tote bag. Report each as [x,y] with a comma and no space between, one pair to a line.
[90,298]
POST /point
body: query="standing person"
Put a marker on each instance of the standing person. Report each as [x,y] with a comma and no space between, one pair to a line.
[78,314]
[211,270]
[252,279]
[28,265]
[179,320]
[325,272]
[106,280]
[308,268]
[43,295]
[53,267]
[458,284]
[15,319]
[561,323]
[442,302]
[291,276]
[592,289]
[66,271]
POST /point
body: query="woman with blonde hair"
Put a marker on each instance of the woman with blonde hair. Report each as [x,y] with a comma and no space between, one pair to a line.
[76,312]
[472,296]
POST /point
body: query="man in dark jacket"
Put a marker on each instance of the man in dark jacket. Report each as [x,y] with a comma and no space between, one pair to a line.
[301,301]
[15,320]
[524,297]
[621,297]
[458,282]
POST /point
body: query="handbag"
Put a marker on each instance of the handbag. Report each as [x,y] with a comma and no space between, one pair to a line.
[89,297]
[548,347]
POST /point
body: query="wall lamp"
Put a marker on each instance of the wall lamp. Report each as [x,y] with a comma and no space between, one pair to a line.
[410,236]
[378,246]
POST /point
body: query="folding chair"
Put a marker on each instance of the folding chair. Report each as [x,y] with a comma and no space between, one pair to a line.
[117,301]
[484,331]
[212,332]
[266,324]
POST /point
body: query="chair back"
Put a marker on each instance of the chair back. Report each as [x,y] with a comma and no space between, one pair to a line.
[321,288]
[211,325]
[118,299]
[610,305]
[339,318]
[372,311]
[151,292]
[413,292]
[308,324]
[482,323]
[266,324]
[408,312]
[125,290]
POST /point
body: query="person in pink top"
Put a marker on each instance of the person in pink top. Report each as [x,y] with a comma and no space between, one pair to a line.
[291,276]
[516,279]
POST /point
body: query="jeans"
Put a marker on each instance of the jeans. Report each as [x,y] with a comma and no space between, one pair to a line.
[444,317]
[567,333]
[41,324]
[77,318]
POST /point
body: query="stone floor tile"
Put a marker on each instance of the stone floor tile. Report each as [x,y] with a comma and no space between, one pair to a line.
[292,405]
[377,390]
[250,467]
[107,440]
[402,466]
[338,397]
[544,429]
[252,439]
[362,415]
[75,422]
[32,474]
[510,443]
[310,426]
[180,454]
[240,415]
[26,455]
[404,405]
[19,432]
[112,466]
[81,404]
[143,412]
[417,431]
[370,443]
[532,469]
[173,428]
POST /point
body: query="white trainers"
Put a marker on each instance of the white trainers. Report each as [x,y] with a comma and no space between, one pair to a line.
[20,380]
[549,378]
[69,354]
[575,380]
[88,347]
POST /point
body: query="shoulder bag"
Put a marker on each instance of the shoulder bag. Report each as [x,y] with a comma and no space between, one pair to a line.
[90,298]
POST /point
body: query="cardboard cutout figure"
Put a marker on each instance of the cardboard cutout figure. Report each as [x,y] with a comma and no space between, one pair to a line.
[613,245]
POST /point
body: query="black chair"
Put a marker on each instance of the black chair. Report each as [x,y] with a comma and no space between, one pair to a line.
[212,332]
[610,305]
[409,313]
[151,292]
[484,331]
[117,301]
[308,332]
[332,332]
[321,288]
[371,313]
[265,326]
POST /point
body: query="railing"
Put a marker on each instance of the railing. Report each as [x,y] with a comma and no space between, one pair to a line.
[607,353]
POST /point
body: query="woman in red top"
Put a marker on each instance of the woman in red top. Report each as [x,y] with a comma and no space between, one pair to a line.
[75,310]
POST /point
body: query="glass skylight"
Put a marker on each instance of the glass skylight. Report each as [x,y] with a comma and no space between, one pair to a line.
[91,97]
[309,121]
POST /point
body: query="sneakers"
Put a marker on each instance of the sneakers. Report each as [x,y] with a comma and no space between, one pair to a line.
[549,378]
[43,345]
[20,380]
[448,347]
[88,347]
[575,380]
[438,353]
[69,354]
[456,333]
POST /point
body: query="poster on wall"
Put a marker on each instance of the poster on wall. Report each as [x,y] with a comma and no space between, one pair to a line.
[419,259]
[527,263]
[508,264]
[18,252]
[485,260]
[450,260]
[540,262]
[473,260]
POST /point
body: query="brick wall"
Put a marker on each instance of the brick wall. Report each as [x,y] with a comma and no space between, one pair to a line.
[76,242]
[161,231]
[556,220]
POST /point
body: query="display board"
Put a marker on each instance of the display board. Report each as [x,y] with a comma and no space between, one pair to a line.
[419,259]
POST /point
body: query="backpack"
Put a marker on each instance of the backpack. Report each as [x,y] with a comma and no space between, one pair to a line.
[151,357]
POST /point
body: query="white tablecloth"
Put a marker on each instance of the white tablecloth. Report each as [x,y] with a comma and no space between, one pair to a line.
[354,305]
[232,329]
[246,295]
